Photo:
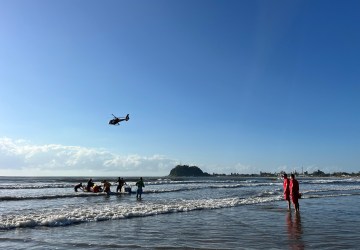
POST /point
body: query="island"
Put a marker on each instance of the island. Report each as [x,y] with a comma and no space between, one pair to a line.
[185,170]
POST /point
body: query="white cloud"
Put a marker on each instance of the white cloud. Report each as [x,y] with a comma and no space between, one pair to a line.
[19,157]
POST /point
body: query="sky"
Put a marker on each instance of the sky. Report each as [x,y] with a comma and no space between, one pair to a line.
[228,86]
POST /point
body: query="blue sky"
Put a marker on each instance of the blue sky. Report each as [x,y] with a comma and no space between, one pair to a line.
[229,86]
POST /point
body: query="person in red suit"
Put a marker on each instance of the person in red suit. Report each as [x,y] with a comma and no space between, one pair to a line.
[286,185]
[294,192]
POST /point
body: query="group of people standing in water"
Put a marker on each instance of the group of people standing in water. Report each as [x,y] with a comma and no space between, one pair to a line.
[105,187]
[291,191]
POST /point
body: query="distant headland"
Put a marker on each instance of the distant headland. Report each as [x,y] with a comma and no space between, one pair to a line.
[185,170]
[194,171]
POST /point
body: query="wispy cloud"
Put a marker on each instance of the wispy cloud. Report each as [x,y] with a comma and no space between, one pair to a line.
[20,157]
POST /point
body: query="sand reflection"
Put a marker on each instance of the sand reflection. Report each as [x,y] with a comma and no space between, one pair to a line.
[294,230]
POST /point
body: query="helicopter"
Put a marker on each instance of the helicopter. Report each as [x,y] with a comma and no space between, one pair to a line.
[117,120]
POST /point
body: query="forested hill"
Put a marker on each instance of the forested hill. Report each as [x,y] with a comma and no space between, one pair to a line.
[184,170]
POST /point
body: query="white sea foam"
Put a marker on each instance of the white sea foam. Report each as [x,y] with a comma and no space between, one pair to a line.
[68,216]
[35,186]
[331,181]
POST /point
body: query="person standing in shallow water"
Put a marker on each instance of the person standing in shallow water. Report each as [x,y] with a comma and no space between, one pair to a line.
[286,185]
[294,192]
[140,185]
[121,183]
[107,186]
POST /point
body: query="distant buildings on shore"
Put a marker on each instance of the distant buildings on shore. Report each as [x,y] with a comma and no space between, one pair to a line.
[194,171]
[317,173]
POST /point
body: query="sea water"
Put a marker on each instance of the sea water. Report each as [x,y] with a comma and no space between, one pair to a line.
[179,213]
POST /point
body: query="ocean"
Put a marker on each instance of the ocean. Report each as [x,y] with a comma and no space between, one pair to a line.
[179,213]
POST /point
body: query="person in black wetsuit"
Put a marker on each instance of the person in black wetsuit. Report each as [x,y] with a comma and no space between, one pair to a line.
[140,185]
[121,183]
[78,186]
[90,184]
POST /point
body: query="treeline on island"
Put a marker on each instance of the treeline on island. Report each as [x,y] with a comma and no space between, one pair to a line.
[194,171]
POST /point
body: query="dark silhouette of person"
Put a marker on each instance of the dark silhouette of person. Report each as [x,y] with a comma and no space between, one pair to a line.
[121,183]
[78,186]
[90,184]
[140,185]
